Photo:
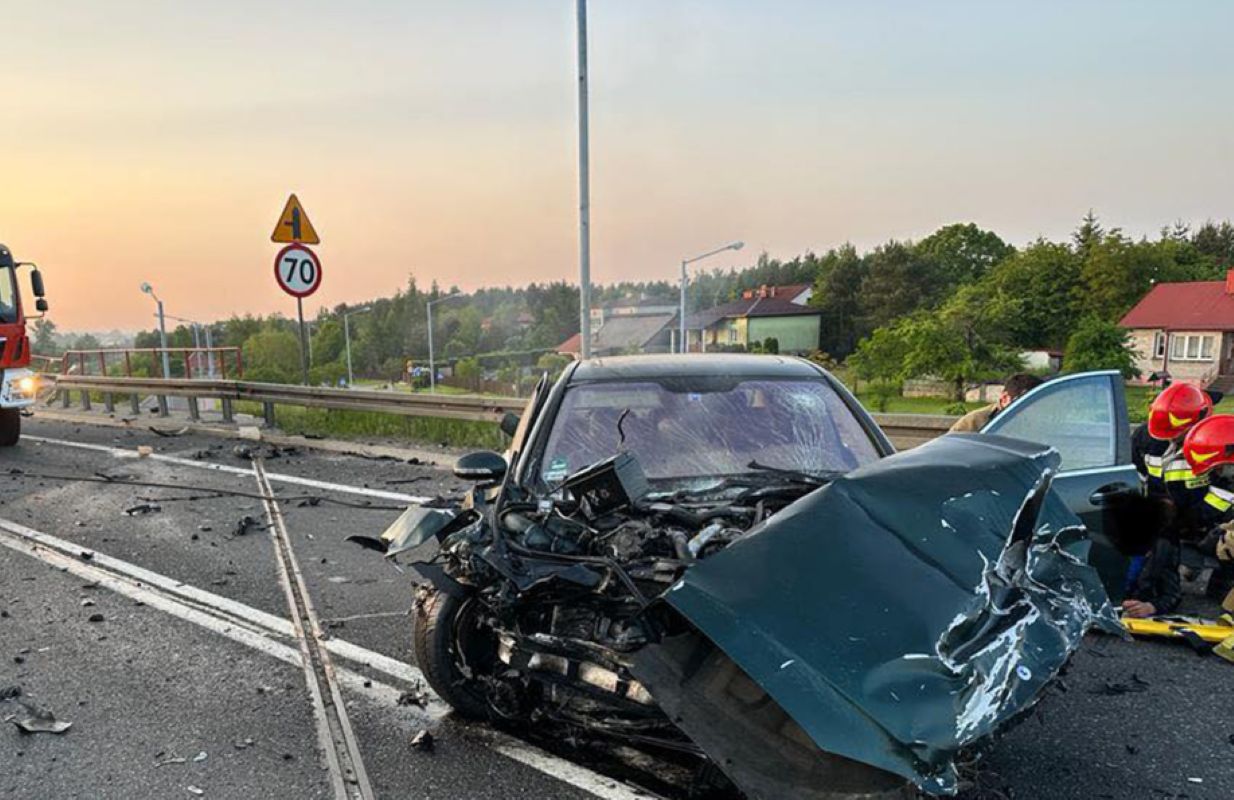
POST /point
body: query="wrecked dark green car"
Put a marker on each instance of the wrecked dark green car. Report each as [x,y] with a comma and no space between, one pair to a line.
[720,560]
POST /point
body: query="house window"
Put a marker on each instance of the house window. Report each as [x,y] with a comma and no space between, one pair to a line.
[1191,347]
[732,335]
[1159,345]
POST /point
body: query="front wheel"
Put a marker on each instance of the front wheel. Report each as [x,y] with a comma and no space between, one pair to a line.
[10,426]
[452,648]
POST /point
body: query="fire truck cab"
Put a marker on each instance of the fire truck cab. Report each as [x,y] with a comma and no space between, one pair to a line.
[18,385]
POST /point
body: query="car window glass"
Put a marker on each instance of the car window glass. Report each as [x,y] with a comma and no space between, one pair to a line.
[681,430]
[1075,416]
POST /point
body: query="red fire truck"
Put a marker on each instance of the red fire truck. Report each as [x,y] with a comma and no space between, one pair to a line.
[18,385]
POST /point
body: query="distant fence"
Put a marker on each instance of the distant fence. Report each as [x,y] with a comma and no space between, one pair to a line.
[193,362]
[904,430]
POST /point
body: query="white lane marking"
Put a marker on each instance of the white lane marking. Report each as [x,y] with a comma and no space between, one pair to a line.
[218,614]
[343,488]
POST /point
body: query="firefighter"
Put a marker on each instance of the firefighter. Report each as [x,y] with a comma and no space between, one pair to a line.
[1154,586]
[1209,449]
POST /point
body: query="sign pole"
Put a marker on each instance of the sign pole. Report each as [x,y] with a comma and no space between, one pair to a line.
[304,365]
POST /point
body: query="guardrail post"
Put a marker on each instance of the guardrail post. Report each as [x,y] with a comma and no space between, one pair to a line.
[267,410]
[194,411]
[135,402]
[85,399]
[162,405]
[228,414]
[109,403]
[65,400]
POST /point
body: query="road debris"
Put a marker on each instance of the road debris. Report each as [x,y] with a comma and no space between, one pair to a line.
[247,524]
[37,720]
[200,757]
[141,509]
[144,451]
[417,696]
[9,692]
[169,434]
[95,617]
[194,790]
[423,741]
[173,760]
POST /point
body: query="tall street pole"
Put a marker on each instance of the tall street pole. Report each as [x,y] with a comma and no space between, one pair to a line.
[347,340]
[304,354]
[584,191]
[432,366]
[686,262]
[681,336]
[347,344]
[163,340]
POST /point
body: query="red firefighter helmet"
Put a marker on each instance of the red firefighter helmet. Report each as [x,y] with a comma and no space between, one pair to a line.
[1210,444]
[1176,409]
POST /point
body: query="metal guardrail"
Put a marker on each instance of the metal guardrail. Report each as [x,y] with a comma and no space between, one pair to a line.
[904,430]
[483,409]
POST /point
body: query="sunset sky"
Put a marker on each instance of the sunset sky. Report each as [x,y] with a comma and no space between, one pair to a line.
[157,141]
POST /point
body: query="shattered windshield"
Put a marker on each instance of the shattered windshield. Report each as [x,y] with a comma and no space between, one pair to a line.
[706,427]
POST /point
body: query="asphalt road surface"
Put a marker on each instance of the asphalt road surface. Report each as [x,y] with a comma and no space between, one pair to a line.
[164,637]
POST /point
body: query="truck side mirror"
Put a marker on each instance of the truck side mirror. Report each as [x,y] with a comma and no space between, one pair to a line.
[36,284]
[41,305]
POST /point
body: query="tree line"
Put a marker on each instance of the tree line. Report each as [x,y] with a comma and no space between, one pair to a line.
[958,305]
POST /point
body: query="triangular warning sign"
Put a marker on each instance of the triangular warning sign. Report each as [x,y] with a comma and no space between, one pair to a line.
[294,225]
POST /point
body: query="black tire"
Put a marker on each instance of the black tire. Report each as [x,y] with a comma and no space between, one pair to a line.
[443,624]
[10,426]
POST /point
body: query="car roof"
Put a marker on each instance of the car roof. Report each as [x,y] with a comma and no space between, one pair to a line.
[651,367]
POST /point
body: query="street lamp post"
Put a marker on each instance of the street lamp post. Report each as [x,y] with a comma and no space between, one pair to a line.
[432,365]
[197,329]
[584,191]
[148,289]
[681,344]
[347,339]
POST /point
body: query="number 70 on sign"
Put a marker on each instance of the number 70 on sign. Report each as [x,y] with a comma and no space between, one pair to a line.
[297,270]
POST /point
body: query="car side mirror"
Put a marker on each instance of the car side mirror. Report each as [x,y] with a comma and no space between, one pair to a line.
[41,305]
[36,285]
[509,424]
[483,466]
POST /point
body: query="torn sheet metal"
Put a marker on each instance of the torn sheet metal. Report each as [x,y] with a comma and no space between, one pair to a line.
[910,608]
[414,527]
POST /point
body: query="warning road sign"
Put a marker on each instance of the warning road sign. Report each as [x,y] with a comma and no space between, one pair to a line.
[294,225]
[297,270]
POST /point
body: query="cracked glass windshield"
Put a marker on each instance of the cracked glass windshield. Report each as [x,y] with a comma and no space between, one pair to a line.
[683,429]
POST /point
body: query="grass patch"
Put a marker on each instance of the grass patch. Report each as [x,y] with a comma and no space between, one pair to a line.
[340,424]
[913,405]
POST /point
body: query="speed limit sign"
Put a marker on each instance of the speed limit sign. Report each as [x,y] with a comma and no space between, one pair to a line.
[297,270]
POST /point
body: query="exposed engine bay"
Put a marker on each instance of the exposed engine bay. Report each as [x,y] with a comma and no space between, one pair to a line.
[758,625]
[567,584]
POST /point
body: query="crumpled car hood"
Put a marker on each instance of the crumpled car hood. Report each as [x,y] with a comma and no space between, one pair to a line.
[910,608]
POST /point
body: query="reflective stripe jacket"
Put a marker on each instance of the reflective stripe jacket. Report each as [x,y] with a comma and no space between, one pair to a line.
[1202,504]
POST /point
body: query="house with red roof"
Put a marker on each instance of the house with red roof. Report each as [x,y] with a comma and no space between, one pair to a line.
[1186,331]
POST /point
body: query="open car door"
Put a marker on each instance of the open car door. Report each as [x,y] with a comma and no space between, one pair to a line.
[1084,417]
